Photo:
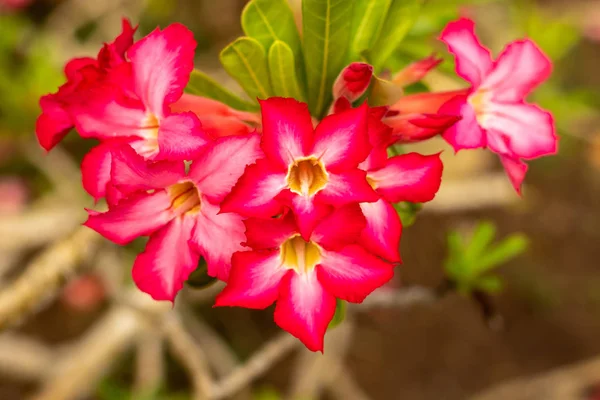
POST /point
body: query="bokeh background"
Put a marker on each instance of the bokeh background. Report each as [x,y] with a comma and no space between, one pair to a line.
[539,336]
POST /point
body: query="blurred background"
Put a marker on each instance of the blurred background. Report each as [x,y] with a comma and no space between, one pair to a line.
[528,329]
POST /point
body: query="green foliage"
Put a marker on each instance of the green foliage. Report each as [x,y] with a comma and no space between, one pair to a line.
[340,314]
[283,75]
[110,390]
[201,84]
[407,212]
[266,393]
[246,61]
[199,278]
[469,265]
[326,30]
[401,16]
[368,17]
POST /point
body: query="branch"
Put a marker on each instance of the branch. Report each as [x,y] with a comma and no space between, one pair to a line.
[405,297]
[45,275]
[24,358]
[149,362]
[255,366]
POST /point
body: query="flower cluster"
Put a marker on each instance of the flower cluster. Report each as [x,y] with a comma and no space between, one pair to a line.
[283,208]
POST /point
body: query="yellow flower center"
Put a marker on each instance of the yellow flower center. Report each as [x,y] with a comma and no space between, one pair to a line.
[184,197]
[149,131]
[478,100]
[300,255]
[306,176]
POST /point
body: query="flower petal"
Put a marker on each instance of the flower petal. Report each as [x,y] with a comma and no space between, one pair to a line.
[410,128]
[287,130]
[306,210]
[466,133]
[342,140]
[180,137]
[473,61]
[409,177]
[353,81]
[167,260]
[529,130]
[382,234]
[53,124]
[254,280]
[347,187]
[254,193]
[95,170]
[267,233]
[416,71]
[423,103]
[139,215]
[114,53]
[352,273]
[516,170]
[304,309]
[218,169]
[162,63]
[520,68]
[218,236]
[341,228]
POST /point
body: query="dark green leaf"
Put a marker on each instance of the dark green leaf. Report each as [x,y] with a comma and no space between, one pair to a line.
[246,61]
[202,85]
[281,69]
[340,314]
[199,278]
[368,17]
[401,17]
[326,30]
[489,284]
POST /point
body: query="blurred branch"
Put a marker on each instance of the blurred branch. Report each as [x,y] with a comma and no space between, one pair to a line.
[401,298]
[45,275]
[260,362]
[190,355]
[149,362]
[24,358]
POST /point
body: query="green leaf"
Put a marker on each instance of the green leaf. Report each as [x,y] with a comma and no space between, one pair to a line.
[384,92]
[201,84]
[489,284]
[483,235]
[401,16]
[281,69]
[246,61]
[199,278]
[407,212]
[504,251]
[340,314]
[368,17]
[270,20]
[326,30]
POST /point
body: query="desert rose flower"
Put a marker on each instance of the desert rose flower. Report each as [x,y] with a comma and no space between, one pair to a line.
[307,169]
[494,112]
[179,211]
[304,276]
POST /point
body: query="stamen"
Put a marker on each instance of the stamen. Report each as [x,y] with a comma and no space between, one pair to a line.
[307,176]
[300,255]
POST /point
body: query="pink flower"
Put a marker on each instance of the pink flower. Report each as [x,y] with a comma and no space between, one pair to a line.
[307,169]
[179,211]
[55,121]
[353,81]
[416,71]
[304,276]
[494,112]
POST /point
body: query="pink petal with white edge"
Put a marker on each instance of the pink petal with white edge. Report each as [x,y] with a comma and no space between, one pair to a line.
[268,233]
[473,61]
[254,193]
[409,177]
[352,273]
[167,261]
[342,140]
[95,170]
[218,169]
[304,309]
[254,280]
[465,133]
[287,130]
[306,210]
[353,81]
[131,173]
[162,63]
[520,68]
[347,187]
[138,215]
[217,237]
[516,170]
[180,137]
[529,129]
[382,234]
[341,228]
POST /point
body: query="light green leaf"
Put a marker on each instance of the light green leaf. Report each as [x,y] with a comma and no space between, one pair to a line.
[401,16]
[281,69]
[483,235]
[340,314]
[384,92]
[201,84]
[489,284]
[509,248]
[368,17]
[246,61]
[326,30]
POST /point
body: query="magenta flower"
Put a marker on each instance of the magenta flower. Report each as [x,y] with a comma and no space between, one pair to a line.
[494,112]
[179,211]
[304,276]
[353,81]
[307,169]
